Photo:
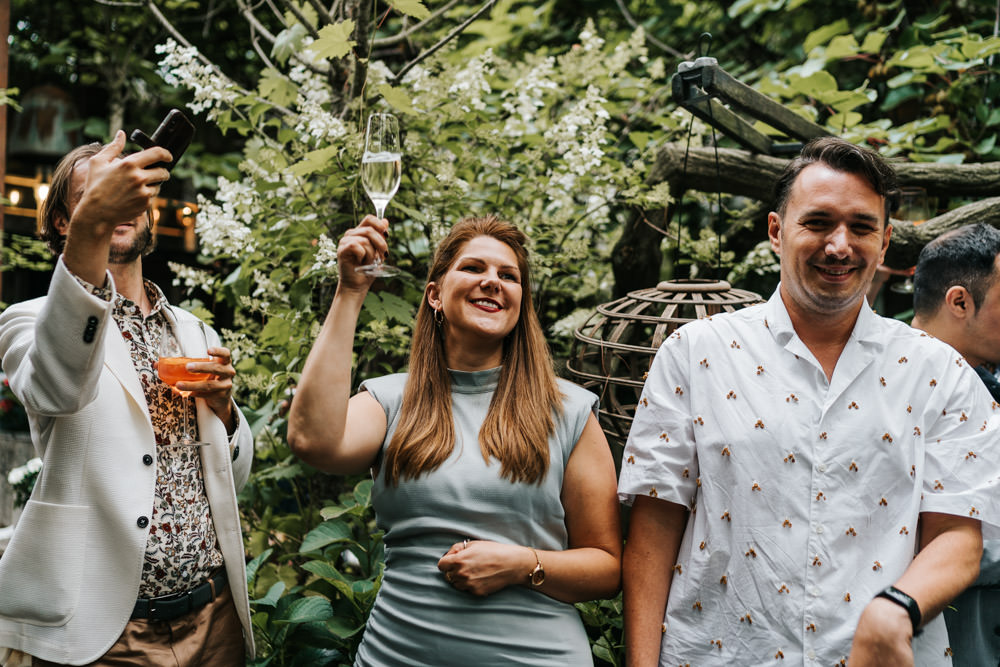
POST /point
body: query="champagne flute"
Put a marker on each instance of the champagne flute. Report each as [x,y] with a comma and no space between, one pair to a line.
[381,169]
[171,366]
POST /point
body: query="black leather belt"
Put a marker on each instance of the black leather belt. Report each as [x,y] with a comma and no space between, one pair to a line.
[169,607]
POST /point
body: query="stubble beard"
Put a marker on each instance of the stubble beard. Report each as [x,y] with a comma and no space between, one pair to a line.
[141,245]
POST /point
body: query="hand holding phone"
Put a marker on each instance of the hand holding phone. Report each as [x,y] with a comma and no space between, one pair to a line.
[174,134]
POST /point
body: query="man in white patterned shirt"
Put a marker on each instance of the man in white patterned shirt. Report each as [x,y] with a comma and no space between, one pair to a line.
[787,460]
[130,549]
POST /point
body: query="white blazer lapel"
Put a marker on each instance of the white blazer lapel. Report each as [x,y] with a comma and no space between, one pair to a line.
[118,359]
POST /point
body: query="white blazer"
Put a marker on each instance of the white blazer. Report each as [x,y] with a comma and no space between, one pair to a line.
[70,575]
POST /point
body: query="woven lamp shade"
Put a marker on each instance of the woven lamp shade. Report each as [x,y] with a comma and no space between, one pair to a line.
[612,351]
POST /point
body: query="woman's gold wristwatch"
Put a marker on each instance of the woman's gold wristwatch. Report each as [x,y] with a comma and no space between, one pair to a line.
[537,576]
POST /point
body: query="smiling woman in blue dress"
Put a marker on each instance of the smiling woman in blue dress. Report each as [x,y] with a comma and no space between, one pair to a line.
[493,480]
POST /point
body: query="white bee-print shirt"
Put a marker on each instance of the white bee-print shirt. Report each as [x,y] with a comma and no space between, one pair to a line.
[804,493]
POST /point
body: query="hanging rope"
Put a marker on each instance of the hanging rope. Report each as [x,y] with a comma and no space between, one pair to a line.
[704,48]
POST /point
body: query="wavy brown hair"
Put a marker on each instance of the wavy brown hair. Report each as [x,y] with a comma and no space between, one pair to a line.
[55,206]
[520,417]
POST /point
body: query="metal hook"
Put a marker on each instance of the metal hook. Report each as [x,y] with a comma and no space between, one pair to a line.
[704,44]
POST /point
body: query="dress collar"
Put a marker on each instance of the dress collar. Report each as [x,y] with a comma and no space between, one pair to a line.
[475,382]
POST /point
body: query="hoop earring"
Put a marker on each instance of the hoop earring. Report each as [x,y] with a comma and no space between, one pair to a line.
[439,317]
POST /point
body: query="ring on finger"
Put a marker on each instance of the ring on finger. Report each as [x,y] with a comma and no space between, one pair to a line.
[465,544]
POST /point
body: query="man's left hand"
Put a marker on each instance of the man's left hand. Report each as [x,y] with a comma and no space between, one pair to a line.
[217,388]
[883,636]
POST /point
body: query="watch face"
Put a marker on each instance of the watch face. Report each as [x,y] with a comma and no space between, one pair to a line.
[537,575]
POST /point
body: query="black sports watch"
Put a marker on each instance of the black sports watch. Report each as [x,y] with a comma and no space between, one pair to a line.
[906,602]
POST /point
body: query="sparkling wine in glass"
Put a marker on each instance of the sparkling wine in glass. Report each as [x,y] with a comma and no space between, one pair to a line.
[171,366]
[381,169]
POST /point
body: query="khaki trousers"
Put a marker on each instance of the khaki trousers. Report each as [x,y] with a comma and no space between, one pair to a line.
[211,636]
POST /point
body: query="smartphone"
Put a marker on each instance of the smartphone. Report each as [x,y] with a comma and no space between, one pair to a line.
[174,134]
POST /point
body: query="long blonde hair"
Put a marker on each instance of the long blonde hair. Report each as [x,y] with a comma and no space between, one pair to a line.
[520,417]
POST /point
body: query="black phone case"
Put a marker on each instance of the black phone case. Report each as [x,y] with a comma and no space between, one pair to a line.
[174,134]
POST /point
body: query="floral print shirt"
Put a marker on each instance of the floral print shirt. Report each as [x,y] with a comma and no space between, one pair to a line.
[182,549]
[804,493]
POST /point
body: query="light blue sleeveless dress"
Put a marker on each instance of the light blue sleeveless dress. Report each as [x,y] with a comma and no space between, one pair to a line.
[420,619]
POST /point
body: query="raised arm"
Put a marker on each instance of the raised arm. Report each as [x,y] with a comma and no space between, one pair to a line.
[654,538]
[589,569]
[323,407]
[946,564]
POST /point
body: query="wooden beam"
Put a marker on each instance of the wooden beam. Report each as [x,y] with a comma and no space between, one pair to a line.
[4,77]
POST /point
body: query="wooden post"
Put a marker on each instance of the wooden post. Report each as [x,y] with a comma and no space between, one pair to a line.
[4,31]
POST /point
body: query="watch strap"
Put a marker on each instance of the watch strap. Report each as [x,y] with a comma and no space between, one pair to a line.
[537,575]
[906,602]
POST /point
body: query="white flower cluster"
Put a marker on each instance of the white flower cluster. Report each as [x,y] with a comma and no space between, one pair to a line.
[313,104]
[240,345]
[191,278]
[326,256]
[180,66]
[626,52]
[19,474]
[470,84]
[523,99]
[580,133]
[266,292]
[224,226]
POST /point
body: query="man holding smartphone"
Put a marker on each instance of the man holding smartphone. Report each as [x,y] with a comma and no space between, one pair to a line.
[130,549]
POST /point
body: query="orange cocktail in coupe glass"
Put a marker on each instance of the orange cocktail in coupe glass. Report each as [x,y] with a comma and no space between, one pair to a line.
[171,367]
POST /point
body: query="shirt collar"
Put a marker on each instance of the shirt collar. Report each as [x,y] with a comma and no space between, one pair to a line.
[779,323]
[127,307]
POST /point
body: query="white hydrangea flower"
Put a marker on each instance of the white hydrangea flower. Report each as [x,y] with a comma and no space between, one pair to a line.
[313,104]
[266,292]
[224,227]
[581,131]
[191,278]
[34,465]
[523,99]
[326,255]
[180,66]
[470,83]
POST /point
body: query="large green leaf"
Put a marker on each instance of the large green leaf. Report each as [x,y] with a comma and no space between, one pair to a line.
[824,34]
[335,40]
[276,87]
[396,98]
[413,8]
[308,609]
[313,161]
[326,533]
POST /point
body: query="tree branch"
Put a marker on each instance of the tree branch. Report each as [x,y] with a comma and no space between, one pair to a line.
[325,18]
[297,13]
[444,40]
[255,24]
[649,38]
[404,35]
[362,46]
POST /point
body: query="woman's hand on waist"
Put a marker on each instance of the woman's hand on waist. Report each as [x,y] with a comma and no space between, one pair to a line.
[481,567]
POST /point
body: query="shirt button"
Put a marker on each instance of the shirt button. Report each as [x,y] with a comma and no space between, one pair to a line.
[821,467]
[819,530]
[142,522]
[814,591]
[811,655]
[147,459]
